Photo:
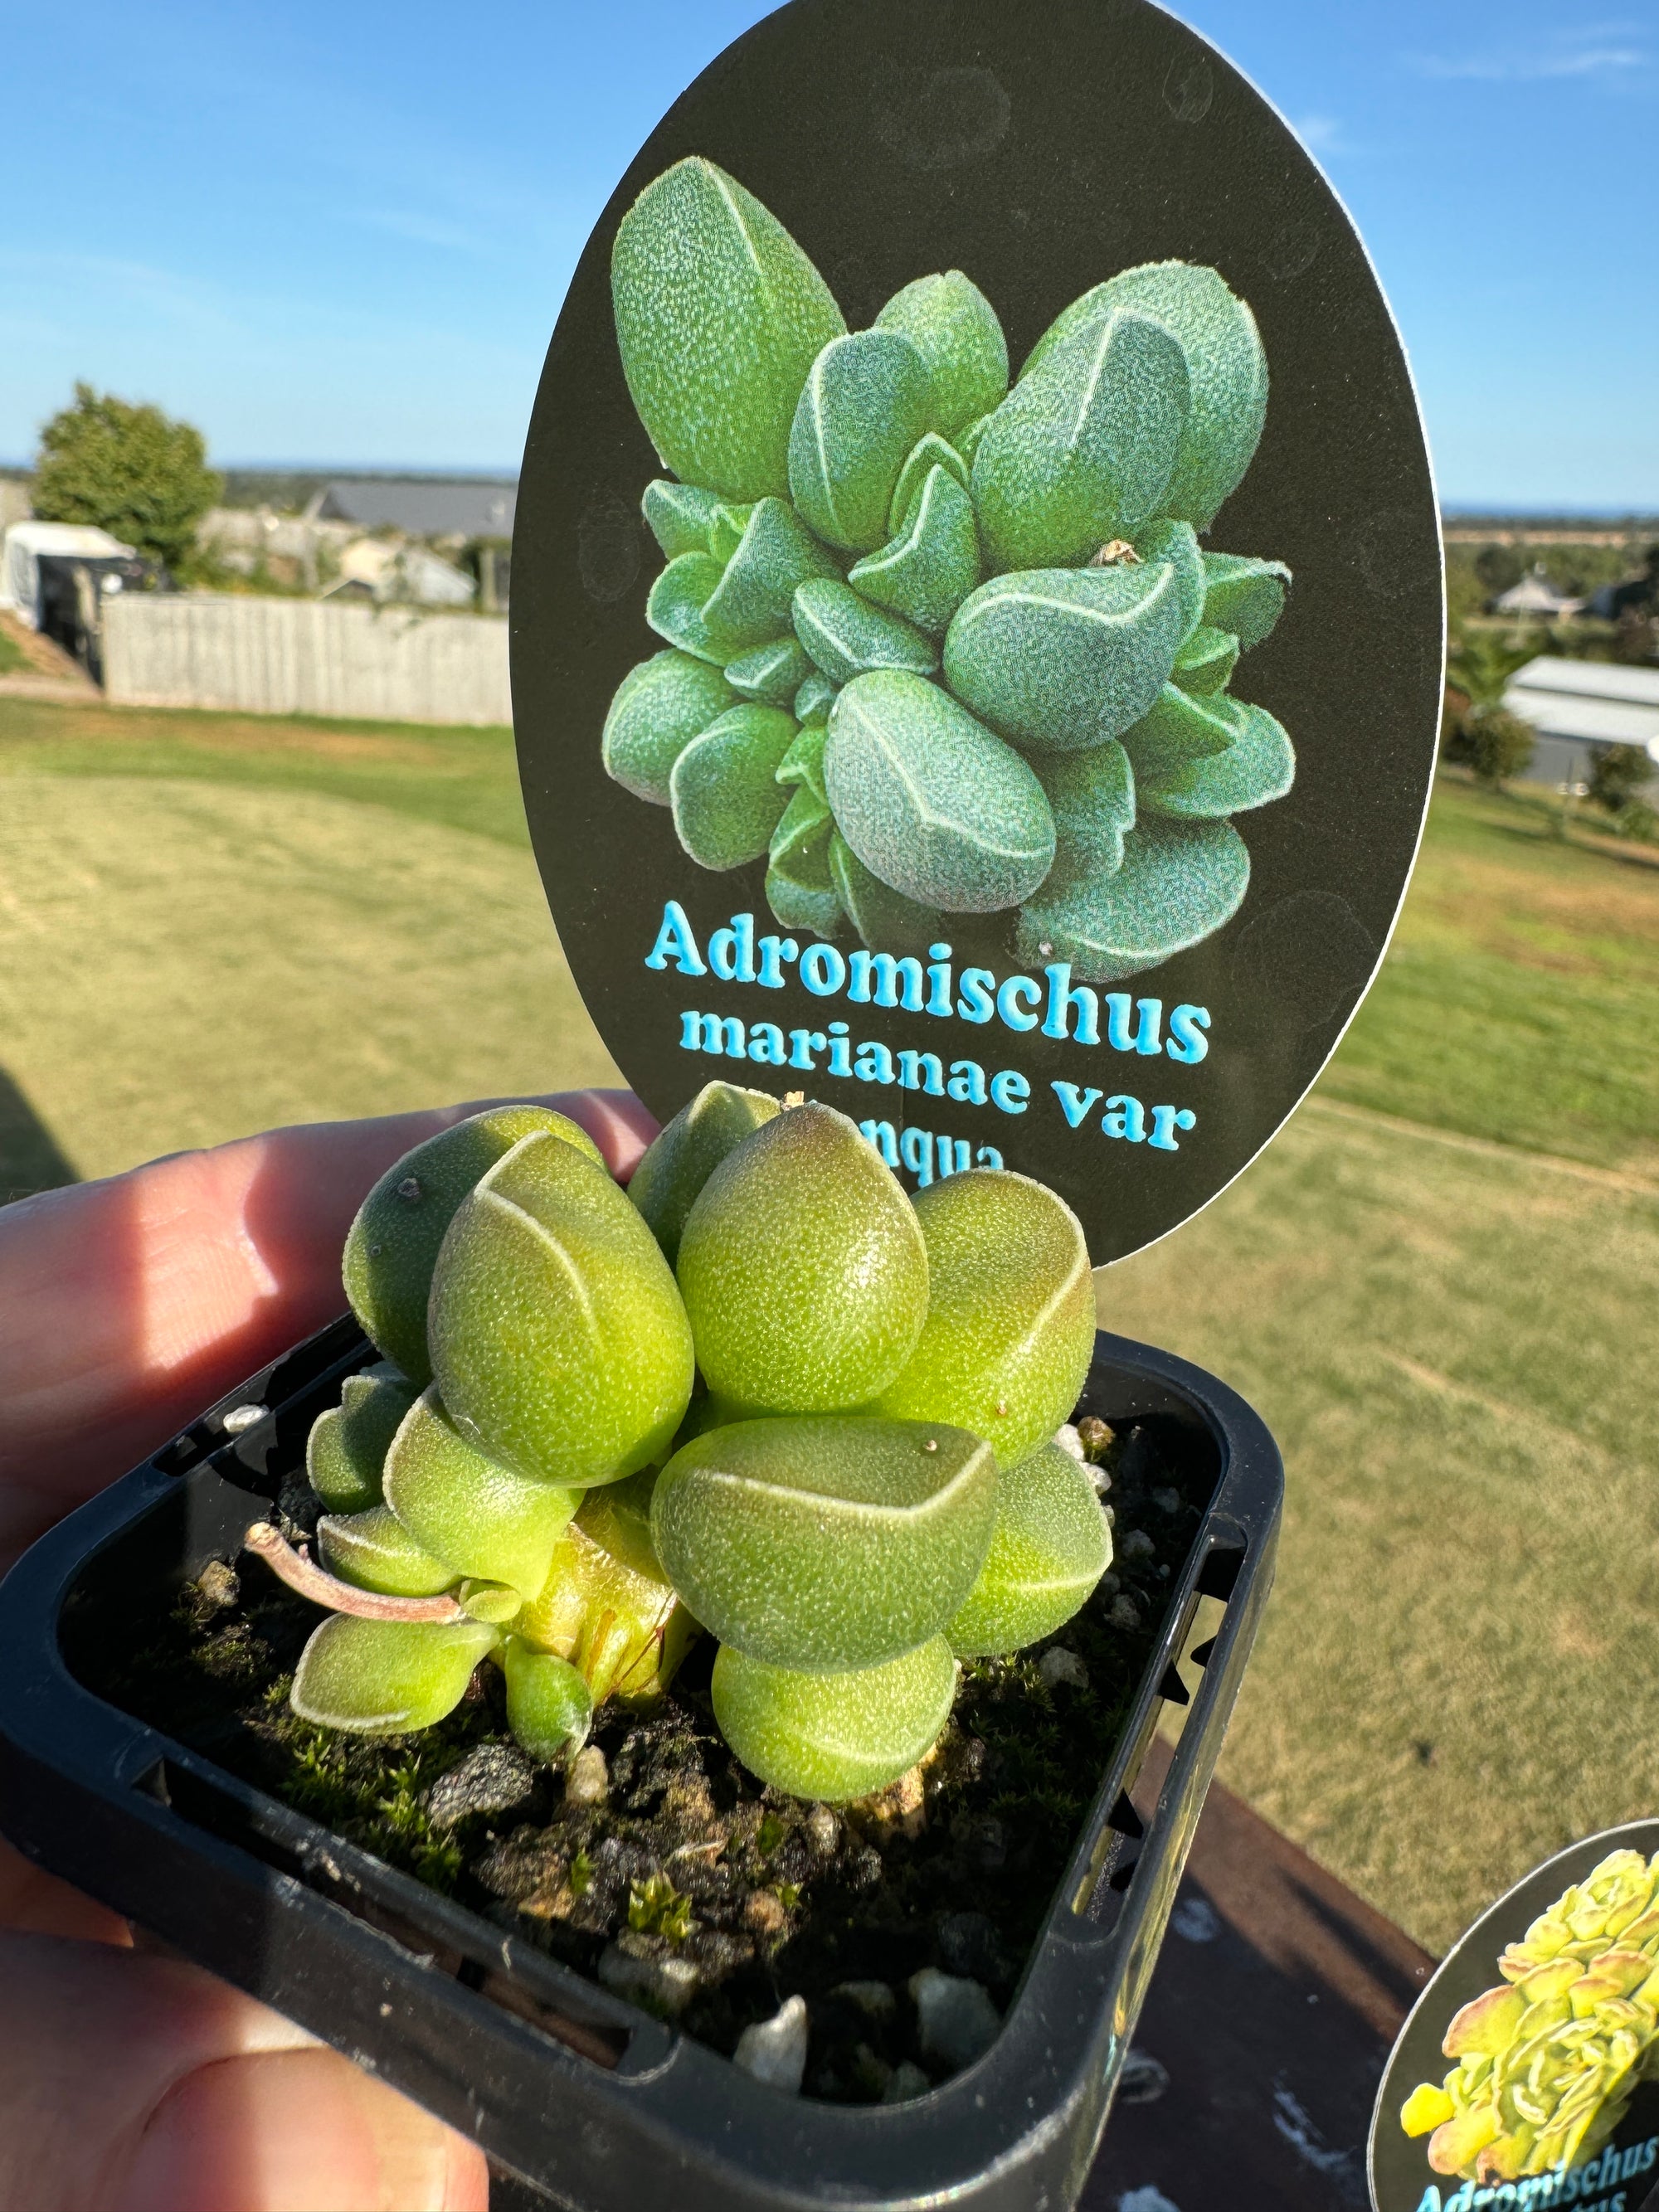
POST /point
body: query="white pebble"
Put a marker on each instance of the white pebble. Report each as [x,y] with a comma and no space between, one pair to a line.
[1066,1437]
[774,2051]
[907,2080]
[667,1982]
[1058,1665]
[588,1782]
[955,2018]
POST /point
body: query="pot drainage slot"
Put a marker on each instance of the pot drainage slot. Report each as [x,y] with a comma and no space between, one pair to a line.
[224,1816]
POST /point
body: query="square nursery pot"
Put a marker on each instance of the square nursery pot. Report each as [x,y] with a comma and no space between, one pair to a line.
[588,2099]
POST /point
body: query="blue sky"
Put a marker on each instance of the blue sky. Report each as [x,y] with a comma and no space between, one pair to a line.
[342,234]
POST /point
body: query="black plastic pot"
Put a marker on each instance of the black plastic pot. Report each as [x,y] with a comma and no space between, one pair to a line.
[572,2088]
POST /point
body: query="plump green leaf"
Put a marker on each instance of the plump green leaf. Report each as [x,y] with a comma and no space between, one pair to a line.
[680,515]
[724,788]
[863,406]
[845,636]
[618,1622]
[966,440]
[719,315]
[1206,662]
[681,1158]
[373,1551]
[496,1602]
[799,900]
[1093,798]
[1050,1548]
[1081,450]
[392,1245]
[1182,728]
[1258,766]
[1010,1313]
[770,674]
[481,1518]
[559,1341]
[927,454]
[674,608]
[954,329]
[803,1269]
[802,766]
[801,840]
[659,706]
[1244,595]
[387,1677]
[1225,364]
[1060,660]
[825,1543]
[750,605]
[885,920]
[1179,882]
[834,1736]
[550,1708]
[1177,543]
[726,529]
[814,699]
[617,1517]
[347,1447]
[931,800]
[927,572]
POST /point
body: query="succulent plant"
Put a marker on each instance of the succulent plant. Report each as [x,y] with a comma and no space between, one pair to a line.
[966,585]
[862,1487]
[1548,2060]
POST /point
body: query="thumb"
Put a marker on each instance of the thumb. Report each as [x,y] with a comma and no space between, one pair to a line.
[130,2083]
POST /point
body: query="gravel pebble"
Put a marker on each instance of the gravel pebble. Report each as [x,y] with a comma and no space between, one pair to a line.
[904,2082]
[1167,1500]
[1135,1544]
[774,2051]
[490,1778]
[588,1782]
[968,1944]
[1068,1438]
[823,1830]
[1125,1613]
[874,1999]
[956,2020]
[665,1981]
[1058,1665]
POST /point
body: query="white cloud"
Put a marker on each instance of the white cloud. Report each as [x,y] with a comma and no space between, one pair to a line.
[1319,134]
[1596,53]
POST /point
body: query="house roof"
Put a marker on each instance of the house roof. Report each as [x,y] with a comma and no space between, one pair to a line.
[422,508]
[1534,594]
[1590,701]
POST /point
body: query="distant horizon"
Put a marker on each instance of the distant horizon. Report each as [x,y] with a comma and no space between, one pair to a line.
[1461,510]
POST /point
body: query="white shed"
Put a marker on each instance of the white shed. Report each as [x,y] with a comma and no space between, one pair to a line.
[1580,707]
[26,545]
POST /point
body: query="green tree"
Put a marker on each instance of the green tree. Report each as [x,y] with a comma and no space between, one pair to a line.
[1500,745]
[131,470]
[1620,774]
[1482,663]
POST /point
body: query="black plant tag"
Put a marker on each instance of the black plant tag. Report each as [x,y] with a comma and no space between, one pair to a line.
[1517,2083]
[1008,714]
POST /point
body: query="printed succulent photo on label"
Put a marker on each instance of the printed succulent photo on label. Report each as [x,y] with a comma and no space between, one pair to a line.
[1528,2075]
[1028,641]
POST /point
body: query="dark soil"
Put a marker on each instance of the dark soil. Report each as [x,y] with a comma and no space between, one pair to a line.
[678,1858]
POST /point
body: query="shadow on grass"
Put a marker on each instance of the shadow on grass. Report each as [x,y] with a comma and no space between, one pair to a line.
[31,1158]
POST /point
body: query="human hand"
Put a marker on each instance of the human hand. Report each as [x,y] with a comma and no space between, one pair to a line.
[131,2082]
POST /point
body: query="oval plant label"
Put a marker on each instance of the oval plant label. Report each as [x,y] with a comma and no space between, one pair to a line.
[977,623]
[1527,2074]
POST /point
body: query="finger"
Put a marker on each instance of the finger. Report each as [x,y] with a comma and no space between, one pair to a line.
[133,1303]
[134,2084]
[37,1902]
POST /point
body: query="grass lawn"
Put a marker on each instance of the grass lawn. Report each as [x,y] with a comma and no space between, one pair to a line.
[233,920]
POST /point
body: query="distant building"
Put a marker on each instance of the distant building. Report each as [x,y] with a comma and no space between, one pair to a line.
[1578,708]
[434,508]
[1534,598]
